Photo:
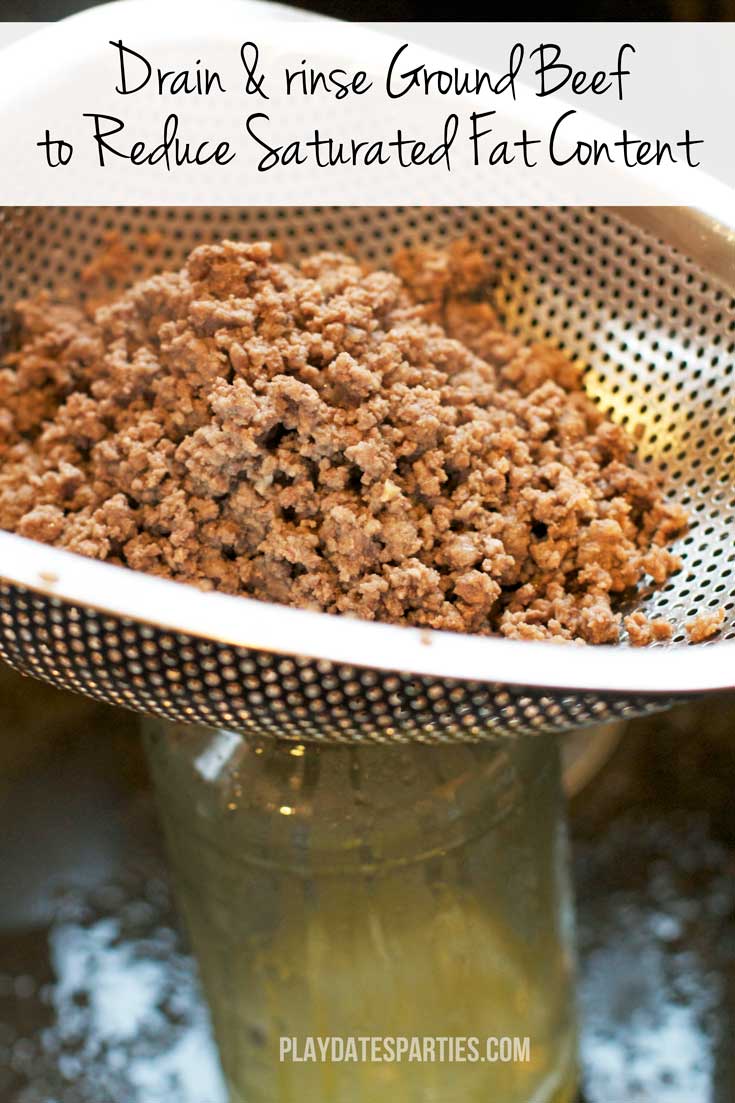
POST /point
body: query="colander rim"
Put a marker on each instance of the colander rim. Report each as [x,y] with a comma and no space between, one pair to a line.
[65,577]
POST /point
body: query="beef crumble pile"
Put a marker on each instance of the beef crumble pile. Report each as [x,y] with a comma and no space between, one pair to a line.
[362,442]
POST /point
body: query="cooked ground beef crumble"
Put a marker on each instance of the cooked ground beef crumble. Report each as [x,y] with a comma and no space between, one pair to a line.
[706,625]
[362,442]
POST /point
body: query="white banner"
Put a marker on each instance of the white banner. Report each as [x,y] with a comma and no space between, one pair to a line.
[241,103]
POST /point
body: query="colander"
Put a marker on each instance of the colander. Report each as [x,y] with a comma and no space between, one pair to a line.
[643,298]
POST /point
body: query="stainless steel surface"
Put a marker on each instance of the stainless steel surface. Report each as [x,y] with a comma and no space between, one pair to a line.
[99,1001]
[656,332]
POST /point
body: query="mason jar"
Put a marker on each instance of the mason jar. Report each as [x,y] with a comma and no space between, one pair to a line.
[376,919]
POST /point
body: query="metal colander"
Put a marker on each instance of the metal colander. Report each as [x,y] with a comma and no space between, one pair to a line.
[642,297]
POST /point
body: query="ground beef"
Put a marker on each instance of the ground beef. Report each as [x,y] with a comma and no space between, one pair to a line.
[642,631]
[362,442]
[705,625]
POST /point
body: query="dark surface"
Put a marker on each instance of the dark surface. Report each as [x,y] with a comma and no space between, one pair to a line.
[390,10]
[98,995]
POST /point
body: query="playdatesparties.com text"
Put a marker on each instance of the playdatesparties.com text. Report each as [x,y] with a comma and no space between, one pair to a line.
[390,1050]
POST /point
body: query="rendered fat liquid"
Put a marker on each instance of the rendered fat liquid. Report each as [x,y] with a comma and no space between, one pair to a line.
[388,892]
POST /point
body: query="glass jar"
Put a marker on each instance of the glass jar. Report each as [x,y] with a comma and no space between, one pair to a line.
[369,894]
